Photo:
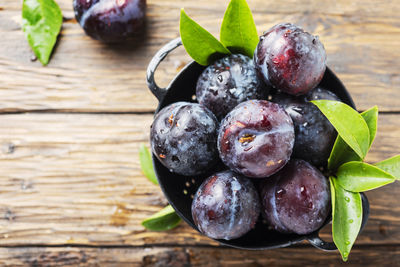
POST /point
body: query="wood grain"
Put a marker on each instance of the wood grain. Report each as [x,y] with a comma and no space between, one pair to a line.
[194,256]
[75,179]
[72,178]
[361,39]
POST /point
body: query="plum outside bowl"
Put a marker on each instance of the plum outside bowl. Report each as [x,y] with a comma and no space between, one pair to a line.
[179,190]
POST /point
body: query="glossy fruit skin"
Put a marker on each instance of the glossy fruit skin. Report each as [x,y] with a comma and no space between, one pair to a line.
[228,82]
[320,93]
[110,20]
[296,199]
[290,59]
[226,206]
[256,138]
[315,135]
[184,138]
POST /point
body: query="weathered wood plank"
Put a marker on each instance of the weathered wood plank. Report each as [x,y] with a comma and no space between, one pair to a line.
[194,256]
[361,39]
[75,179]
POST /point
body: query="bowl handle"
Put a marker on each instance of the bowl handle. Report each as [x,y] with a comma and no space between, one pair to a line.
[155,61]
[317,242]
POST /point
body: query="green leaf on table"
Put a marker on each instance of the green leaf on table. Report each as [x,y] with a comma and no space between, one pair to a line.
[342,153]
[146,164]
[238,30]
[199,43]
[346,217]
[163,220]
[41,22]
[358,176]
[349,124]
[391,165]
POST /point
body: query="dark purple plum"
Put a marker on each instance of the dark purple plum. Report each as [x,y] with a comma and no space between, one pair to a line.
[110,20]
[226,206]
[290,59]
[228,82]
[256,138]
[296,199]
[320,93]
[315,135]
[184,138]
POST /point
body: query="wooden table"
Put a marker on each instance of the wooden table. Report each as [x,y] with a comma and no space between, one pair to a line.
[71,189]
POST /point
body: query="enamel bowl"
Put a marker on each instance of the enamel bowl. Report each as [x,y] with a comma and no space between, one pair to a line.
[179,190]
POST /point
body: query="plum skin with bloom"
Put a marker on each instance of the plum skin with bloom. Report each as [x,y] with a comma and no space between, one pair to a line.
[256,138]
[226,206]
[228,82]
[183,137]
[111,20]
[290,59]
[314,134]
[296,199]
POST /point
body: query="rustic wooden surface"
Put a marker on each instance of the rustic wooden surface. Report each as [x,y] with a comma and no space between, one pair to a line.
[71,190]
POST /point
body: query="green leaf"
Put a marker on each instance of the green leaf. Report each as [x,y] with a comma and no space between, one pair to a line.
[238,30]
[371,118]
[391,165]
[146,164]
[41,22]
[342,153]
[346,217]
[358,176]
[163,220]
[349,124]
[199,43]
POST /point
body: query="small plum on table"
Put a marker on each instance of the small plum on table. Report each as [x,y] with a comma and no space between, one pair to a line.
[111,20]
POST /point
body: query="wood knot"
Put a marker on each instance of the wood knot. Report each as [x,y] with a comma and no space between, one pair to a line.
[59,258]
[383,230]
[26,185]
[8,148]
[120,216]
[9,215]
[175,258]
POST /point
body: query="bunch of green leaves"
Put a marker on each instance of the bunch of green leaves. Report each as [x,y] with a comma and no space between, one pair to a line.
[238,35]
[350,175]
[41,22]
[166,218]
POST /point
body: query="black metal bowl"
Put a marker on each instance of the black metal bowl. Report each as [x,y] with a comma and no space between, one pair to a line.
[179,190]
